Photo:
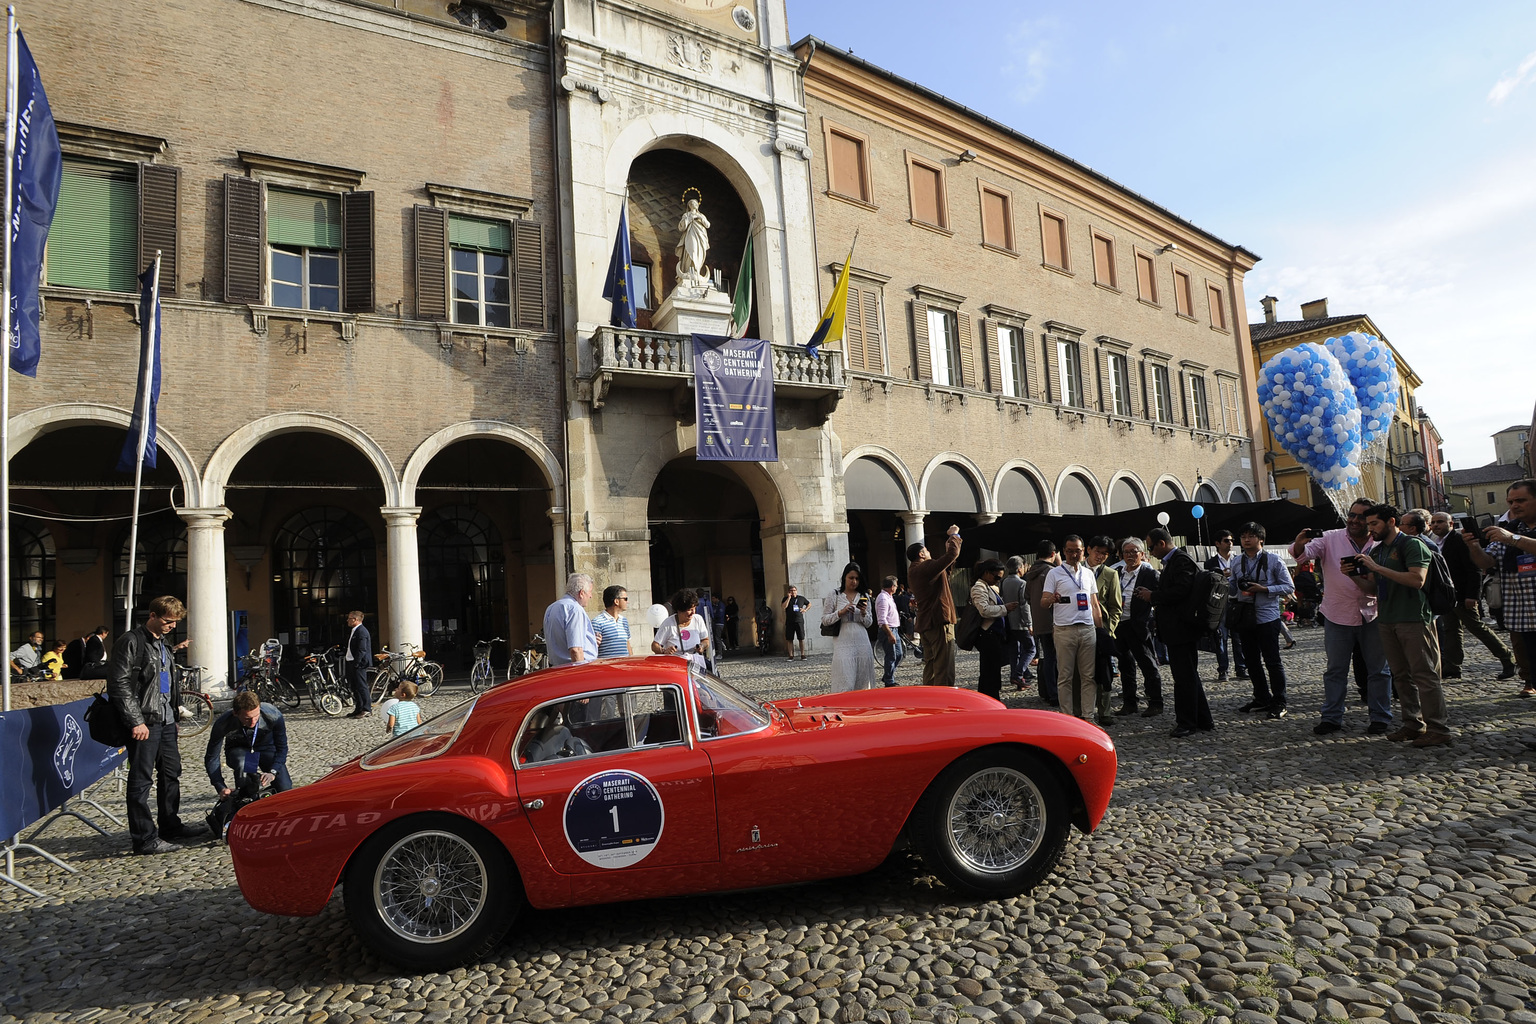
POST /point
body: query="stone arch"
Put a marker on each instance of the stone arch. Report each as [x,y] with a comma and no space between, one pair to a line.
[554,473]
[1132,481]
[774,489]
[1036,477]
[26,427]
[1173,484]
[1239,492]
[1206,491]
[891,461]
[1083,473]
[966,466]
[704,139]
[237,445]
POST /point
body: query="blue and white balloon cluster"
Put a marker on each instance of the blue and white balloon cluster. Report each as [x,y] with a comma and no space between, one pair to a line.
[1373,372]
[1313,413]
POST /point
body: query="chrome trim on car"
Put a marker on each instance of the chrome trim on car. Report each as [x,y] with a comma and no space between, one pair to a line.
[362,761]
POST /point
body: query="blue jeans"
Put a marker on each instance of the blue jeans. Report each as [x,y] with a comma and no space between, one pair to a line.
[892,651]
[1019,652]
[1047,680]
[1224,641]
[1339,643]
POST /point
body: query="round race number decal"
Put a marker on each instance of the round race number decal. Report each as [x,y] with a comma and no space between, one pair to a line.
[613,819]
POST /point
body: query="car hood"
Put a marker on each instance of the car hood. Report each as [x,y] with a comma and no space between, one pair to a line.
[852,707]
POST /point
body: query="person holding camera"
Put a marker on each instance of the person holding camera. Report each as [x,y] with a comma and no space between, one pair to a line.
[848,610]
[254,741]
[1349,618]
[1511,549]
[1469,602]
[1071,598]
[928,576]
[1259,584]
[1396,567]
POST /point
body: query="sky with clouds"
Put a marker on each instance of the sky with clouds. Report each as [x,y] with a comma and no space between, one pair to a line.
[1380,154]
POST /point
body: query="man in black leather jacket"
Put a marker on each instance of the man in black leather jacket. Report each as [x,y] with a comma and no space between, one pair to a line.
[142,686]
[1175,624]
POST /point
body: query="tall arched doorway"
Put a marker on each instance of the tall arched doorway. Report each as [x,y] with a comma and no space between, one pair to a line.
[706,531]
[324,564]
[463,580]
[32,582]
[875,495]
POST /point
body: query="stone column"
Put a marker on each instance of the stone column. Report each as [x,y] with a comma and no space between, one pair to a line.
[208,596]
[558,544]
[404,578]
[912,526]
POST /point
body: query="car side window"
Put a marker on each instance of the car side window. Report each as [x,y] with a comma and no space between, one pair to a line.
[654,718]
[601,723]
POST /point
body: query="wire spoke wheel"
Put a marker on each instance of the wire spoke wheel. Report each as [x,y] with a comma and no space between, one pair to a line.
[430,886]
[196,714]
[996,820]
[331,703]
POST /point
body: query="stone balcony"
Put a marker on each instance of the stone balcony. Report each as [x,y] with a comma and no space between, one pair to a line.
[1413,465]
[623,358]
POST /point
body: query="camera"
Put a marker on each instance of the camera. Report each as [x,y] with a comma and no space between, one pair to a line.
[1351,565]
[1311,534]
[1244,583]
[1477,526]
[1063,599]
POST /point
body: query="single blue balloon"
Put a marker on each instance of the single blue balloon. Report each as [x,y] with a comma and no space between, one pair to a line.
[1198,511]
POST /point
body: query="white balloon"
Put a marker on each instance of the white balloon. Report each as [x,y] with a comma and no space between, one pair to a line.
[656,614]
[1162,519]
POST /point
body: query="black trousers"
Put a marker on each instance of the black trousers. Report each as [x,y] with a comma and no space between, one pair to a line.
[1134,641]
[1104,655]
[1190,708]
[357,673]
[989,644]
[1261,650]
[147,758]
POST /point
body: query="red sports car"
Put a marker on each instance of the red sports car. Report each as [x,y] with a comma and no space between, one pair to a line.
[636,778]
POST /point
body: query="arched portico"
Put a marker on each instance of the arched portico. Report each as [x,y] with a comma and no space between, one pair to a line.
[1032,477]
[1168,488]
[1125,491]
[883,515]
[1080,479]
[238,444]
[968,469]
[26,427]
[1238,492]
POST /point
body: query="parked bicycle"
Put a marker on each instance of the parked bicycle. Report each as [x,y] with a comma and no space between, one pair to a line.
[263,675]
[482,677]
[395,667]
[323,676]
[196,712]
[528,659]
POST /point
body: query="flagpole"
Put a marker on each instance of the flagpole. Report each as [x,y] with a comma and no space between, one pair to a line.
[5,370]
[151,321]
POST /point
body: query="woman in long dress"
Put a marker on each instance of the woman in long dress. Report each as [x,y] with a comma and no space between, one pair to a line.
[853,658]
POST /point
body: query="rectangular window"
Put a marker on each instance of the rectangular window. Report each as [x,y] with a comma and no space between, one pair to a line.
[1053,233]
[1183,297]
[944,347]
[642,273]
[481,251]
[1010,360]
[1229,406]
[1198,400]
[1104,260]
[996,219]
[304,247]
[1146,278]
[927,181]
[1218,309]
[846,168]
[94,241]
[1120,385]
[1162,390]
[1069,369]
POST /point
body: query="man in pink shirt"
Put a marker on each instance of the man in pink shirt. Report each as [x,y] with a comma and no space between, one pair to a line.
[1349,613]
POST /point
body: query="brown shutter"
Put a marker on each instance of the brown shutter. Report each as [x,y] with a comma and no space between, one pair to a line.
[1053,239]
[1101,374]
[1103,261]
[1051,390]
[243,212]
[431,231]
[357,252]
[994,219]
[925,194]
[1184,396]
[157,221]
[924,358]
[1029,387]
[853,330]
[1147,411]
[1145,280]
[874,356]
[967,350]
[846,173]
[528,247]
[991,342]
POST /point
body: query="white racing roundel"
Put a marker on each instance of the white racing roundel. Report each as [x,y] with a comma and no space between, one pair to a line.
[613,819]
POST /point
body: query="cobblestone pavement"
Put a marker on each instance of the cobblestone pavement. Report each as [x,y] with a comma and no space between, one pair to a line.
[1252,874]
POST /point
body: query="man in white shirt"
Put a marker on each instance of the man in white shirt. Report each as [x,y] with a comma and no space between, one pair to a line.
[568,631]
[1071,597]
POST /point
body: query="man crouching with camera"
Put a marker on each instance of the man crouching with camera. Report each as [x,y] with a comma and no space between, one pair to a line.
[253,739]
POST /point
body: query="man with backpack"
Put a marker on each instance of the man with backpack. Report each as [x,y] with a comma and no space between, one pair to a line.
[1179,625]
[1258,583]
[1398,567]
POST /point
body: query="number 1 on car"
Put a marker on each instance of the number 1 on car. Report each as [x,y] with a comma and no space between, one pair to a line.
[614,810]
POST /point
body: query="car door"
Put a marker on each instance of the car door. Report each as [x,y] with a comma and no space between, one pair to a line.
[619,794]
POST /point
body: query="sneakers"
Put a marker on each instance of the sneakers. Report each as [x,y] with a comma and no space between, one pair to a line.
[154,846]
[1432,739]
[1277,711]
[1255,705]
[1405,733]
[1324,728]
[1377,728]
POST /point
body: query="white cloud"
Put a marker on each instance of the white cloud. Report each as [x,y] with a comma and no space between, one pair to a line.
[1509,83]
[1034,41]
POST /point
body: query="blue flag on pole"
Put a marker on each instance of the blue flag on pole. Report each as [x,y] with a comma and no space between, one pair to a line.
[35,194]
[620,289]
[148,393]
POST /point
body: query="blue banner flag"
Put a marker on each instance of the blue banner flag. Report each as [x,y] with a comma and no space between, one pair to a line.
[36,171]
[733,395]
[47,756]
[149,372]
[620,289]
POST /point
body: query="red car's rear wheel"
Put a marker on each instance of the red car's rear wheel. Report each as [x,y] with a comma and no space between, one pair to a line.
[993,823]
[431,892]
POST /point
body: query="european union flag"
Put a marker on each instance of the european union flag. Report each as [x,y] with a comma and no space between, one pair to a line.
[149,373]
[620,289]
[36,172]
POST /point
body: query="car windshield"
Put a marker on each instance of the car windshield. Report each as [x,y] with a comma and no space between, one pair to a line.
[724,710]
[428,739]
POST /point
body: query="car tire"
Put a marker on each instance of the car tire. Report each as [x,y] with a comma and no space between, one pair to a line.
[993,823]
[395,899]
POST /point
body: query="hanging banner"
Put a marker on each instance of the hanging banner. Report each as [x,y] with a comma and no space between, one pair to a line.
[733,394]
[47,756]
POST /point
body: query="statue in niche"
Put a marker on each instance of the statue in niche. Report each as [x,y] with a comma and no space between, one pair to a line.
[693,245]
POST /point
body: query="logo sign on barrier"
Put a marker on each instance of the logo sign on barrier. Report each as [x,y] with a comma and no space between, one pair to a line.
[733,394]
[46,757]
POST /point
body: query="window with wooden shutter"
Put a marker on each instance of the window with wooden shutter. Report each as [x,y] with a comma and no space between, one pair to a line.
[1231,421]
[244,207]
[1053,237]
[1218,309]
[966,342]
[996,219]
[93,242]
[1119,385]
[480,270]
[1146,409]
[431,236]
[1183,297]
[304,243]
[920,341]
[1050,383]
[1069,359]
[1101,375]
[1104,260]
[528,249]
[1184,397]
[874,349]
[1197,398]
[158,187]
[357,252]
[1146,278]
[845,165]
[927,185]
[853,331]
[1029,385]
[995,339]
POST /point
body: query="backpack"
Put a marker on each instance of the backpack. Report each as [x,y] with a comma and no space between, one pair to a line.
[1208,600]
[1306,586]
[1439,588]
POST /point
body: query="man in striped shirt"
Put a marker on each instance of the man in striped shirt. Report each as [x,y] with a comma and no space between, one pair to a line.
[611,626]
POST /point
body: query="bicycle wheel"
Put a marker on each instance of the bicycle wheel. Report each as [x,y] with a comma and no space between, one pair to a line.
[330,703]
[286,693]
[429,678]
[480,677]
[380,682]
[315,685]
[196,713]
